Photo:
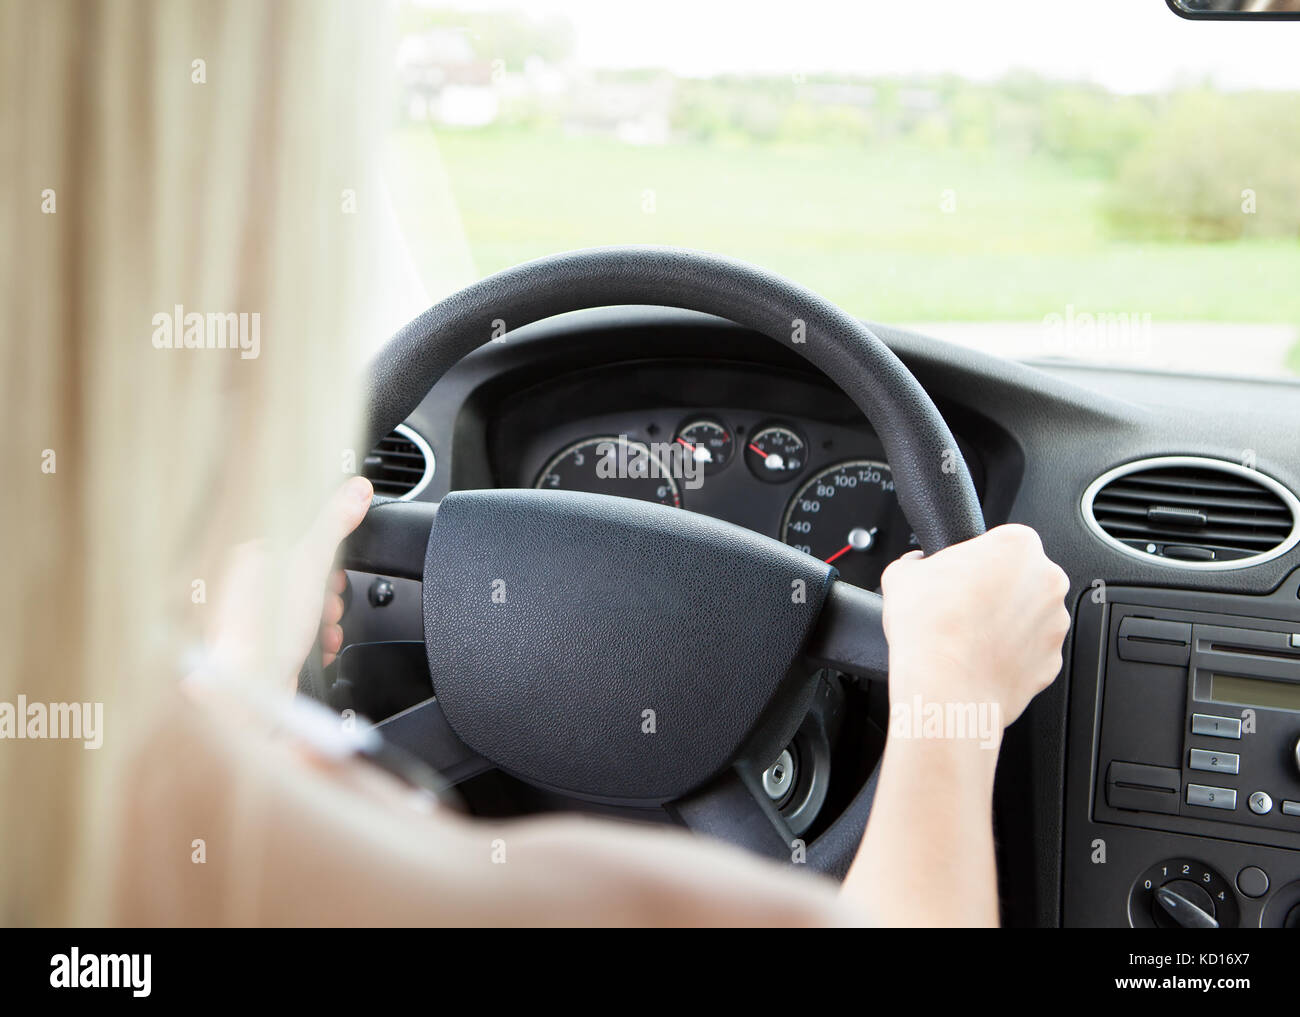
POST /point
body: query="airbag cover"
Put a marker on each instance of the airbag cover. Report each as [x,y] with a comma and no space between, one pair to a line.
[556,620]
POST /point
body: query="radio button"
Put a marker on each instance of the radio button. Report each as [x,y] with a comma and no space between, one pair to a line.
[1216,727]
[1261,803]
[1215,762]
[1291,808]
[1211,797]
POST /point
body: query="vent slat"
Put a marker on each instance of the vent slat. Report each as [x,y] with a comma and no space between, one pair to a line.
[1170,534]
[1170,497]
[1232,515]
[1221,553]
[1183,479]
[1274,531]
[396,466]
[1279,524]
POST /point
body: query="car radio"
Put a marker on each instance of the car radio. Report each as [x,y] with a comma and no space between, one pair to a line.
[1233,691]
[1183,791]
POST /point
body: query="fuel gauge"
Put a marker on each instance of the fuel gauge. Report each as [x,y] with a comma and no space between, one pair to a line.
[775,454]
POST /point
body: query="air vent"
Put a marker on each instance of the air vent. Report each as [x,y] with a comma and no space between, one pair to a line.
[1190,512]
[401,465]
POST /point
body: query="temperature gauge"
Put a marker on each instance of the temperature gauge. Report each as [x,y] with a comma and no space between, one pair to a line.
[708,443]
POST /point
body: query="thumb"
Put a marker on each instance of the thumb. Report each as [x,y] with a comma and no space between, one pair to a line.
[895,567]
[340,515]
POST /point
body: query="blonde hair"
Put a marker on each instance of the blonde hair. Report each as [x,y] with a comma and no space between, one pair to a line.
[211,154]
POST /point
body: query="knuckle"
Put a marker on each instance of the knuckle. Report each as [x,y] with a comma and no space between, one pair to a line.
[896,569]
[1020,536]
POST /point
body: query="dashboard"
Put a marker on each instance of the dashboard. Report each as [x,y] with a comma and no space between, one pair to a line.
[1111,798]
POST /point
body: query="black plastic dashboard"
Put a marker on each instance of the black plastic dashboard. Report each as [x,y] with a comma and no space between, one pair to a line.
[1035,436]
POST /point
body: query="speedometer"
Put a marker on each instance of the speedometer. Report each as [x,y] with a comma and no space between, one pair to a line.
[848,516]
[612,465]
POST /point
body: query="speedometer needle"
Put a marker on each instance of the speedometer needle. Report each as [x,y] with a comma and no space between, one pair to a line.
[859,540]
[843,550]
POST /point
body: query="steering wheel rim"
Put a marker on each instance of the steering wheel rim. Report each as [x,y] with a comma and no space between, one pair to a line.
[934,484]
[840,628]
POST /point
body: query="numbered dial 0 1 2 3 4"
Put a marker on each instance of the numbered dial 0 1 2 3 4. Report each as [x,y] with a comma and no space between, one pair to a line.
[1182,893]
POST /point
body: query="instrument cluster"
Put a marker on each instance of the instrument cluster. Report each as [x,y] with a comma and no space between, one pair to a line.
[824,488]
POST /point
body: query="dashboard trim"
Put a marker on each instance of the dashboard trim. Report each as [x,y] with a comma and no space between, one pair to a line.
[430,462]
[1223,466]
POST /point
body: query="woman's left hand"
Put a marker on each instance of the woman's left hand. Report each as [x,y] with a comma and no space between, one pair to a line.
[295,580]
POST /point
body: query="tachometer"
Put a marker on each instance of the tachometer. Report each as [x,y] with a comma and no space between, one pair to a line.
[611,465]
[848,515]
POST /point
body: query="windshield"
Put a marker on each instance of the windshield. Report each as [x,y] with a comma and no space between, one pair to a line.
[1099,181]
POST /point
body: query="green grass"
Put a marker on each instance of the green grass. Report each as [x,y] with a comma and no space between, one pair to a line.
[862,226]
[1293,358]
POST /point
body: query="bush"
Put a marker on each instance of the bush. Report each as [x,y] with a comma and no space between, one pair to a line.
[1214,167]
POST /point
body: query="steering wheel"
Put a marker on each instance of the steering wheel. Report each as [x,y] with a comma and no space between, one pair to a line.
[560,627]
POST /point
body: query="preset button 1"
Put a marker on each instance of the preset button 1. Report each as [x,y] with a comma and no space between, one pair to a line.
[1216,727]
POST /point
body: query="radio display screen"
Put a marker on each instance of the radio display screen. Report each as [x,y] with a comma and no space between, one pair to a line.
[1263,693]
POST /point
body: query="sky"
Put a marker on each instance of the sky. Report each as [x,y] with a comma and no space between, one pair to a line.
[1126,45]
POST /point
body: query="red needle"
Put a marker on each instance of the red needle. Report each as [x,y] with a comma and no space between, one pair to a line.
[842,550]
[758,450]
[687,444]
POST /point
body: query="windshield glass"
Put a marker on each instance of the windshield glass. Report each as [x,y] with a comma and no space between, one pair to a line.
[1099,181]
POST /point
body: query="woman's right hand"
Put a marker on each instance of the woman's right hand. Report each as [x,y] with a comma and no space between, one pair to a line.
[979,622]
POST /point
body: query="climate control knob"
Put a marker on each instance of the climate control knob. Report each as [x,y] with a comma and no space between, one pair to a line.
[1182,893]
[1185,904]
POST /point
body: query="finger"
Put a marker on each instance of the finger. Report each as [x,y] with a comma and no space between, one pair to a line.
[892,570]
[342,513]
[339,516]
[338,581]
[332,613]
[331,641]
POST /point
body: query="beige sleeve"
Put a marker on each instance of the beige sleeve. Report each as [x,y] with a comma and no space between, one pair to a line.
[286,841]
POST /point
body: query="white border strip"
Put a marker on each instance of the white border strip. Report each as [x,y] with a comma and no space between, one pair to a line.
[429,464]
[1223,466]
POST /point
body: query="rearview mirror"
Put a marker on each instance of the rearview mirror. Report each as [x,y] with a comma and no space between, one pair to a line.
[1236,8]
